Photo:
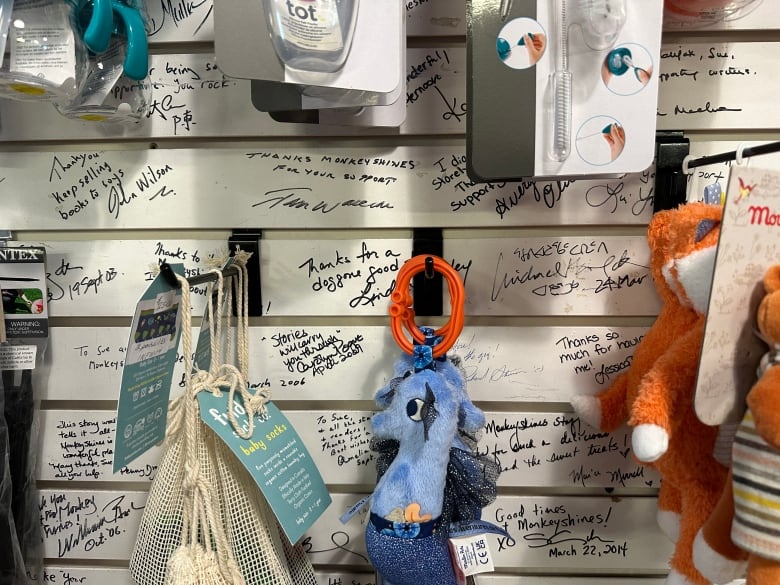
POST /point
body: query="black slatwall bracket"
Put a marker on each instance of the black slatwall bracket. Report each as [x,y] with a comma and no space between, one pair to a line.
[428,300]
[248,240]
[671,148]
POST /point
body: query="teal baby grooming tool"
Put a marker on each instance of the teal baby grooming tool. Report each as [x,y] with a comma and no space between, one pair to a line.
[136,64]
[110,17]
[97,34]
[521,42]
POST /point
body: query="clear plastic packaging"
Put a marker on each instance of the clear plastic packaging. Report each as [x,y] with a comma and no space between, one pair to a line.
[312,35]
[600,22]
[109,95]
[102,21]
[685,14]
[116,89]
[45,57]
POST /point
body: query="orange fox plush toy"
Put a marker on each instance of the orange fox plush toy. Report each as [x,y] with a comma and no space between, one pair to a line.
[655,396]
[749,509]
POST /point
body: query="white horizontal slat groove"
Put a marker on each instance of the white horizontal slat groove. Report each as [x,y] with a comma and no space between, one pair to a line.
[100,576]
[532,449]
[282,187]
[601,534]
[502,364]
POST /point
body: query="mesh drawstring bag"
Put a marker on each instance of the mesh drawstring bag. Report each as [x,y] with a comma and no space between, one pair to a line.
[181,538]
[262,551]
[207,517]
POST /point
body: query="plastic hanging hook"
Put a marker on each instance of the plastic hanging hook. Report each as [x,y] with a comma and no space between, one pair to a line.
[685,169]
[740,158]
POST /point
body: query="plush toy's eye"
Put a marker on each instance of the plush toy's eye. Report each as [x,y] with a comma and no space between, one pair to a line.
[407,374]
[414,409]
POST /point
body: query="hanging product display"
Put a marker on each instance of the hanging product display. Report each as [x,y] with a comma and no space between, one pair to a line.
[316,54]
[24,336]
[115,89]
[205,518]
[656,394]
[46,58]
[432,484]
[731,351]
[555,73]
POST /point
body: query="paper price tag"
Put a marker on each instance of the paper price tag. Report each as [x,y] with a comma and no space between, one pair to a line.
[470,556]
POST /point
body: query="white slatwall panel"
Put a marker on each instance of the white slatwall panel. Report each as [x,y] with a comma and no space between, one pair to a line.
[402,178]
[510,276]
[191,98]
[599,533]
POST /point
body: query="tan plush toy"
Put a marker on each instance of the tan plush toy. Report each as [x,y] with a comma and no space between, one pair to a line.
[655,395]
[752,497]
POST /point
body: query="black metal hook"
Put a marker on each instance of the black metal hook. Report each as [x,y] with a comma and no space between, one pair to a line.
[429,285]
[169,275]
[429,272]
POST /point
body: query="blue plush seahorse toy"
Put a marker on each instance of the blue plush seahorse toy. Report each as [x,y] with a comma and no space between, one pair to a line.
[431,482]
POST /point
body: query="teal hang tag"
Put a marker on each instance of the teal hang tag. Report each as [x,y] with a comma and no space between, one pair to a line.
[148,371]
[277,460]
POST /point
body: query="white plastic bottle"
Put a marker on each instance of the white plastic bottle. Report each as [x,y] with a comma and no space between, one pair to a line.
[312,35]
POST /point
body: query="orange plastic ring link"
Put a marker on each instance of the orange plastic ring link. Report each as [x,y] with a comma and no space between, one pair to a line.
[454,326]
[454,284]
[402,313]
